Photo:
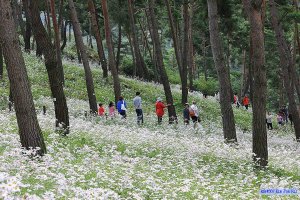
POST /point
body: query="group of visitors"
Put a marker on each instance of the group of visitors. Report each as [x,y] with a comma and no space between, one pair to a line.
[245,101]
[283,117]
[189,112]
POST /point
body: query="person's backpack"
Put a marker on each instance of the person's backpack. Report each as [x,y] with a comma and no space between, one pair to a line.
[192,112]
[123,106]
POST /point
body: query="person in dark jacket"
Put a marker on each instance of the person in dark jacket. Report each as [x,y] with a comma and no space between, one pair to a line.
[186,114]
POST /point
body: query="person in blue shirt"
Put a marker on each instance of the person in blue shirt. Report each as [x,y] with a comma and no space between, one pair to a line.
[122,107]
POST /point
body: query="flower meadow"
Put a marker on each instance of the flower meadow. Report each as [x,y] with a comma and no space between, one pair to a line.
[117,159]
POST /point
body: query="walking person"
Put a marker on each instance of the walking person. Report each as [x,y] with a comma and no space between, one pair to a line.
[269,121]
[160,106]
[101,111]
[236,100]
[246,101]
[122,107]
[137,102]
[194,113]
[186,114]
[111,110]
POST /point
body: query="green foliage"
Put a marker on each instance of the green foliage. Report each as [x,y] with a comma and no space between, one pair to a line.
[209,87]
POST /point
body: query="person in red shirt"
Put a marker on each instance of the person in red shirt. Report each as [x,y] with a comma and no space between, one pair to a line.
[101,111]
[246,102]
[159,109]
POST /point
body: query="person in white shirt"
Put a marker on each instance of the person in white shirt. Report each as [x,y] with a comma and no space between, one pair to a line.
[194,112]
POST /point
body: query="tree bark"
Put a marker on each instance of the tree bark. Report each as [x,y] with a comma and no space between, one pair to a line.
[119,46]
[28,26]
[82,49]
[286,66]
[53,70]
[174,36]
[29,130]
[132,53]
[111,58]
[1,62]
[260,146]
[64,35]
[141,67]
[48,18]
[185,53]
[191,52]
[159,58]
[57,42]
[223,75]
[98,38]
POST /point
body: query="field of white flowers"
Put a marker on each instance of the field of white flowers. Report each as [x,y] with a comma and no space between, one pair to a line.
[114,159]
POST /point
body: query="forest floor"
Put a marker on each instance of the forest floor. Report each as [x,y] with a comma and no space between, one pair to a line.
[117,159]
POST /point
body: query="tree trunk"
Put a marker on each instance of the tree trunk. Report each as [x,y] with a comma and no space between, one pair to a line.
[286,66]
[57,42]
[82,49]
[132,53]
[98,38]
[294,72]
[113,68]
[56,85]
[191,52]
[156,74]
[260,146]
[64,35]
[185,53]
[223,75]
[1,62]
[48,18]
[158,53]
[141,67]
[174,36]
[28,26]
[204,52]
[119,46]
[29,130]
[20,18]
[60,15]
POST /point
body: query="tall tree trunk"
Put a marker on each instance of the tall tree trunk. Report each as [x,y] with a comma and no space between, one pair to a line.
[286,66]
[146,41]
[113,68]
[204,52]
[142,70]
[119,46]
[260,146]
[48,18]
[159,58]
[223,75]
[156,74]
[82,49]
[98,38]
[191,52]
[29,130]
[185,53]
[1,62]
[20,18]
[39,49]
[53,70]
[294,72]
[57,42]
[64,38]
[60,15]
[28,26]
[132,53]
[174,36]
